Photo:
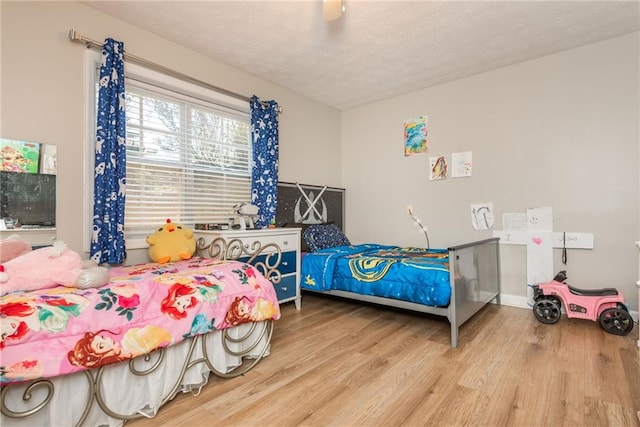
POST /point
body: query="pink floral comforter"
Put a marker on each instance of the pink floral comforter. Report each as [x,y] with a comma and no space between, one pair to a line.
[144,307]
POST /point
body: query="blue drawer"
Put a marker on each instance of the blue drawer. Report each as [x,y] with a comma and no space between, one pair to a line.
[286,288]
[287,262]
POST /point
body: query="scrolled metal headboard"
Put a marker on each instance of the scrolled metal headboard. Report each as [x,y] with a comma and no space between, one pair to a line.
[266,258]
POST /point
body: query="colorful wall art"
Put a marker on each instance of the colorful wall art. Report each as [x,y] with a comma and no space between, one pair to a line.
[19,156]
[438,167]
[415,136]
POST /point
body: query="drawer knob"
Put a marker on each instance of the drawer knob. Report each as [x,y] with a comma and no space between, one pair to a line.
[284,288]
[285,263]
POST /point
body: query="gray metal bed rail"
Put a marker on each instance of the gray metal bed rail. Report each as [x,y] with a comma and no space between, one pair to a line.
[475,281]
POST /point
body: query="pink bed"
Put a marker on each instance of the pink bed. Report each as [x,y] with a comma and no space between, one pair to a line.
[61,331]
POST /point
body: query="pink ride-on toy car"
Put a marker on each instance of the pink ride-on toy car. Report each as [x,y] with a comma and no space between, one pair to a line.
[605,305]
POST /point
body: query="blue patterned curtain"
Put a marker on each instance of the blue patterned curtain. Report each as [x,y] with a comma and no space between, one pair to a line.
[264,176]
[107,241]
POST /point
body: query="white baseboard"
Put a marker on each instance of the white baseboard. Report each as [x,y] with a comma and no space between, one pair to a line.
[514,301]
[521,302]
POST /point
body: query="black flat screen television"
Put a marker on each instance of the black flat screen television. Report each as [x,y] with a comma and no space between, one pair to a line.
[28,198]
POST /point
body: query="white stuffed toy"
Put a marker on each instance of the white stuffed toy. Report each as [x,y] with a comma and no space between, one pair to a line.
[49,267]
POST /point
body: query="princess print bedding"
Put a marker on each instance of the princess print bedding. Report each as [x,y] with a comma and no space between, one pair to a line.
[144,307]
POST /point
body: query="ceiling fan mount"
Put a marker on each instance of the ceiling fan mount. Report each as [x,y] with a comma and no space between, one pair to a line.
[332,9]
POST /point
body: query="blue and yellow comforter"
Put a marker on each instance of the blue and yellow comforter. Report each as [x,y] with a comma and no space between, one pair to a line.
[410,274]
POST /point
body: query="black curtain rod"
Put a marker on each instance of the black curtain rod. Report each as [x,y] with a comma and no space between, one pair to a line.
[76,37]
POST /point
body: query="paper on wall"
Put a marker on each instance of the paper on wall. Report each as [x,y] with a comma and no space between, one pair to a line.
[416,134]
[539,247]
[461,164]
[540,219]
[539,260]
[438,167]
[482,216]
[514,221]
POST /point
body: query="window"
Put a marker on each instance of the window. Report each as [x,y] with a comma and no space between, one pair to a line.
[188,153]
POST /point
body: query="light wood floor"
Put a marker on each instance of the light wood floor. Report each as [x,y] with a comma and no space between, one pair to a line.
[339,363]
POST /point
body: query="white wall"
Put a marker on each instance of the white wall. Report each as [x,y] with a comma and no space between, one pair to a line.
[559,131]
[43,99]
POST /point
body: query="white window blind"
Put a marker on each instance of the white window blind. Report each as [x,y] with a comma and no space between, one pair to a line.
[187,160]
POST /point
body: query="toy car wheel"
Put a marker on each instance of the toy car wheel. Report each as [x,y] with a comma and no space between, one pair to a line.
[616,321]
[556,300]
[546,310]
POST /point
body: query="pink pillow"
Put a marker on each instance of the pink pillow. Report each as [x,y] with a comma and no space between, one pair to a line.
[12,247]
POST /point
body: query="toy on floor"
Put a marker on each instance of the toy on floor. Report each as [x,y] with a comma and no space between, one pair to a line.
[171,242]
[604,305]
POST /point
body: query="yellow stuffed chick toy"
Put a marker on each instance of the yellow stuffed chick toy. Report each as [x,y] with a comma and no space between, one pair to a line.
[171,242]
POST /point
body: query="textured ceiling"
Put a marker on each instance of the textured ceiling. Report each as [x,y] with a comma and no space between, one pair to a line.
[378,49]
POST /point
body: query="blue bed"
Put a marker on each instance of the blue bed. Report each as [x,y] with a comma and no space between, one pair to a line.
[455,282]
[408,274]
